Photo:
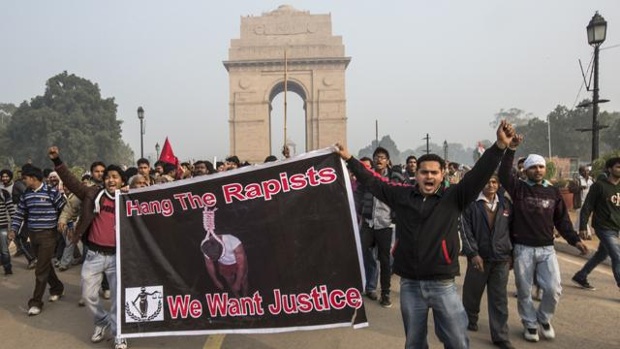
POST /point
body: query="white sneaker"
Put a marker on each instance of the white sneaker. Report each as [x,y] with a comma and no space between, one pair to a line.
[531,334]
[34,311]
[99,333]
[55,297]
[547,331]
[120,343]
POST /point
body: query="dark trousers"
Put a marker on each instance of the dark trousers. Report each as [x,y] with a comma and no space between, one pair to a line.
[60,247]
[495,279]
[44,245]
[21,241]
[382,238]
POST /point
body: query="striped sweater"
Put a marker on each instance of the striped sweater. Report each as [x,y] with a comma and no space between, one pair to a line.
[40,208]
[7,209]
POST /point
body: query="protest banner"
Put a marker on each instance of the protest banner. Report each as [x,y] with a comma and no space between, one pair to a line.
[265,248]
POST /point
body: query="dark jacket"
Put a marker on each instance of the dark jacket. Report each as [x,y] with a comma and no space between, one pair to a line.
[363,197]
[602,200]
[538,208]
[479,239]
[87,194]
[428,243]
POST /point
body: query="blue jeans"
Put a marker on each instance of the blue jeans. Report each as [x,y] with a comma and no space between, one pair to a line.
[609,245]
[5,256]
[370,268]
[417,297]
[95,265]
[543,261]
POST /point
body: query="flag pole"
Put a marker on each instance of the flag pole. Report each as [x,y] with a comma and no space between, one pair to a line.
[285,90]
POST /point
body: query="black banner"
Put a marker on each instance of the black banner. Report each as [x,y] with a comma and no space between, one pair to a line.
[267,248]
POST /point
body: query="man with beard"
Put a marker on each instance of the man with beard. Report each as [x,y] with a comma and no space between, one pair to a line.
[538,208]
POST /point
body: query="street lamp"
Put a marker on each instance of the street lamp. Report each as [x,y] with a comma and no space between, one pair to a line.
[597,30]
[549,134]
[157,150]
[445,150]
[141,117]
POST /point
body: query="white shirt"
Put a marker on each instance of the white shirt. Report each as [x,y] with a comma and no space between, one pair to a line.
[492,205]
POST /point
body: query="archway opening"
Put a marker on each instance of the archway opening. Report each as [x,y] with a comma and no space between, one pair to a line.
[295,119]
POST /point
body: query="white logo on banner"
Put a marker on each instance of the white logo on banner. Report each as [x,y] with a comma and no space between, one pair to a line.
[144,304]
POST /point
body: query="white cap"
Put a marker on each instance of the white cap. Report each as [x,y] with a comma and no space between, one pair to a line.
[533,160]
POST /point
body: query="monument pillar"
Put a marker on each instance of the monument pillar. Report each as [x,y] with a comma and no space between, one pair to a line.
[316,67]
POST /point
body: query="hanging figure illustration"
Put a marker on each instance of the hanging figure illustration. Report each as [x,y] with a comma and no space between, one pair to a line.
[225,258]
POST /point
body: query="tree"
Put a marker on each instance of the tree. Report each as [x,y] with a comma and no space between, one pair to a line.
[535,138]
[72,115]
[566,140]
[385,142]
[6,112]
[609,137]
[515,116]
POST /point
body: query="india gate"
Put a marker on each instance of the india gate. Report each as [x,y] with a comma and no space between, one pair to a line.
[292,48]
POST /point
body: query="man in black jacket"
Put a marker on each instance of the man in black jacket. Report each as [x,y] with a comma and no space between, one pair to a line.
[426,253]
[486,243]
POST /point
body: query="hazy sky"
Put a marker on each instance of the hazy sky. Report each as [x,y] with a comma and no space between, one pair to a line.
[438,67]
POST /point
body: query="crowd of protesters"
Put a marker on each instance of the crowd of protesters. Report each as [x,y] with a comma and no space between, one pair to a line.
[49,214]
[512,222]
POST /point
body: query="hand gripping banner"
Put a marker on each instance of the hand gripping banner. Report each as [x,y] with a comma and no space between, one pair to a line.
[265,248]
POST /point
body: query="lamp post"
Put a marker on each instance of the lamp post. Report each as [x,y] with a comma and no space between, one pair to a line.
[597,30]
[141,117]
[549,134]
[445,150]
[427,143]
[157,150]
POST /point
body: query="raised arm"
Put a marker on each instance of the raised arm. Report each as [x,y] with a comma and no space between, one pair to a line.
[380,187]
[473,182]
[68,179]
[507,177]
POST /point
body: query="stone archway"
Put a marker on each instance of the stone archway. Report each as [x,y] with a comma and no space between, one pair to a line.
[296,88]
[315,71]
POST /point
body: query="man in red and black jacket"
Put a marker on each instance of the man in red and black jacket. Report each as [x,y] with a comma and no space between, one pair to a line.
[426,253]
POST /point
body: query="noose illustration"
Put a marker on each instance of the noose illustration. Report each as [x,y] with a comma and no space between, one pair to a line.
[208,222]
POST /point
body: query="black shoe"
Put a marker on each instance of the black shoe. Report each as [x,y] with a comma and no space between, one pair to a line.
[504,345]
[472,326]
[385,301]
[372,295]
[8,272]
[583,283]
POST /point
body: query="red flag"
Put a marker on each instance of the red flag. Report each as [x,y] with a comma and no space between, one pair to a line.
[167,155]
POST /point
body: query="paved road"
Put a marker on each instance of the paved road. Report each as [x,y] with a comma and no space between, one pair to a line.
[585,319]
